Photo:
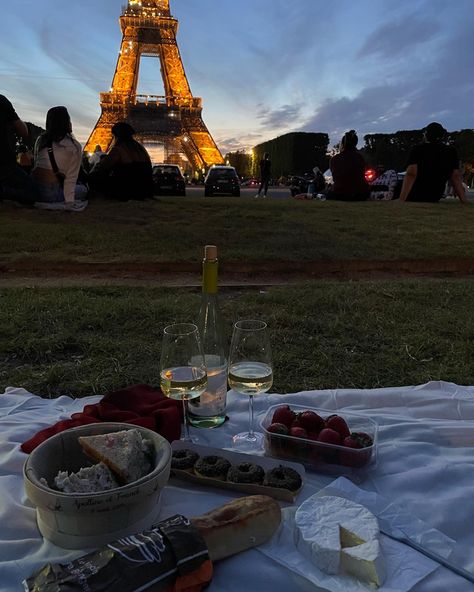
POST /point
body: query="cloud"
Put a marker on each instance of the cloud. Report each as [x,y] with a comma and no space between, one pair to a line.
[241,141]
[283,116]
[396,38]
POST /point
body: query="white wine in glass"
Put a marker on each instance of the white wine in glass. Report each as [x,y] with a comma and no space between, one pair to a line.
[250,372]
[183,373]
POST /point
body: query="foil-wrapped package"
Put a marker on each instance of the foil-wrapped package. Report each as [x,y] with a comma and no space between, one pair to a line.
[170,552]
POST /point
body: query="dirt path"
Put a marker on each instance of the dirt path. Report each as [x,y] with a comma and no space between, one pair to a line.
[28,272]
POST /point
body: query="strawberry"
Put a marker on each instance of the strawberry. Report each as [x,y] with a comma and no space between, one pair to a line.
[283,414]
[298,432]
[277,444]
[356,441]
[278,428]
[338,424]
[329,436]
[364,439]
[311,421]
[351,442]
[297,443]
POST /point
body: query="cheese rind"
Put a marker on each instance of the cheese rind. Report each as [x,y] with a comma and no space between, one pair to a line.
[336,535]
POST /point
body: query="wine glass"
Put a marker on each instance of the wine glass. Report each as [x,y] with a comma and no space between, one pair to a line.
[250,372]
[183,373]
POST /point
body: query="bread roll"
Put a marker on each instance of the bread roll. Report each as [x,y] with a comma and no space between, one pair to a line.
[238,525]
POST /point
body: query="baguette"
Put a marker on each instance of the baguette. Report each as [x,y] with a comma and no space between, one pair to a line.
[238,525]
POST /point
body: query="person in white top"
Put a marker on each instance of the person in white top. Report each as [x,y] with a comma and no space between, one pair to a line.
[58,159]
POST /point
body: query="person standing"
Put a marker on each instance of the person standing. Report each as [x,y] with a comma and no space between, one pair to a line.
[14,181]
[348,172]
[265,174]
[430,166]
[58,159]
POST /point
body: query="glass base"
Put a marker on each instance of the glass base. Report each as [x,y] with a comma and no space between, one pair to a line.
[213,421]
[245,443]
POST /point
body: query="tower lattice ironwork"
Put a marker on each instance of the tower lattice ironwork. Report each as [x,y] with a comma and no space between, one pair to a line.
[148,29]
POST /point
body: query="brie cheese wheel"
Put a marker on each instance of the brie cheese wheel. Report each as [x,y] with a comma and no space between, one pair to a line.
[337,535]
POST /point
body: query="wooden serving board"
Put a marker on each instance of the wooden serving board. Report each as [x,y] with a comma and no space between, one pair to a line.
[235,458]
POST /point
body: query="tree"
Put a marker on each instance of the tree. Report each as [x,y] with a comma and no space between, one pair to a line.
[294,153]
[242,161]
[464,142]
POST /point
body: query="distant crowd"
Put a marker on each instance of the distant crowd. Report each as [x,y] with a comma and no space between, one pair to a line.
[432,171]
[57,176]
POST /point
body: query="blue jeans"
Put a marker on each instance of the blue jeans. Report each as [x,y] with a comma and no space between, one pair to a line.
[53,192]
[20,187]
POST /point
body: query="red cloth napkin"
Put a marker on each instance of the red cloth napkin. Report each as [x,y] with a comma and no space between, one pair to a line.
[139,405]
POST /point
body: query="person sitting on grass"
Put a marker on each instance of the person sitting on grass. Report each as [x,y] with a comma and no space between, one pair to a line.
[430,166]
[15,183]
[348,172]
[125,172]
[58,159]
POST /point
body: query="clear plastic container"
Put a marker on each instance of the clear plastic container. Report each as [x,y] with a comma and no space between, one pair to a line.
[321,456]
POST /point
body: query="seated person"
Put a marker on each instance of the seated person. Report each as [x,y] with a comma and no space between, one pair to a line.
[25,158]
[58,158]
[15,183]
[95,157]
[125,172]
[430,166]
[348,172]
[383,186]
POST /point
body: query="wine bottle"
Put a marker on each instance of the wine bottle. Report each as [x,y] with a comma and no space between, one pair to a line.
[208,410]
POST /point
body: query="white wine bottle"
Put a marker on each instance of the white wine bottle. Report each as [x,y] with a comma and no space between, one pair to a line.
[208,411]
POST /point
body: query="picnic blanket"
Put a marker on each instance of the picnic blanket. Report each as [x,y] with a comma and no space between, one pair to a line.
[425,462]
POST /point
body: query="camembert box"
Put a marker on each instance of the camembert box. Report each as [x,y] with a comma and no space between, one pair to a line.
[236,458]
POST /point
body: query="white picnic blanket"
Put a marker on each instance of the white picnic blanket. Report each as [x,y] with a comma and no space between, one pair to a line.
[425,463]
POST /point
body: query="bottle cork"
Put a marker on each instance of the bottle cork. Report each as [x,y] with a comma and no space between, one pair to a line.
[210,253]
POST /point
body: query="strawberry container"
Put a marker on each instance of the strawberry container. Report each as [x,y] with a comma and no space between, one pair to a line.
[318,455]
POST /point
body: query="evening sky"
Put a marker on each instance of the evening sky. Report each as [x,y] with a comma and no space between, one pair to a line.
[262,67]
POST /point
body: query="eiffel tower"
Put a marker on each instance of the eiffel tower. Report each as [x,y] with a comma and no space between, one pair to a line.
[148,29]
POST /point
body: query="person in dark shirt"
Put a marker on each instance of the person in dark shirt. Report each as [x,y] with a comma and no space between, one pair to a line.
[125,173]
[348,172]
[430,166]
[265,175]
[15,183]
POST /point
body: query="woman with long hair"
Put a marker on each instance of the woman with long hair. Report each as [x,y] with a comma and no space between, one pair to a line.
[125,173]
[58,159]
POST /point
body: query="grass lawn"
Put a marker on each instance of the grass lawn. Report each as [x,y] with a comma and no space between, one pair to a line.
[324,334]
[246,230]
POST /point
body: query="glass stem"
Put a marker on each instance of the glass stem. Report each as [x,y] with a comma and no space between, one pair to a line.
[251,434]
[187,435]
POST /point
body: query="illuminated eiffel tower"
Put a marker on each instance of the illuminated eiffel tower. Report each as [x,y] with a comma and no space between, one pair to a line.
[175,119]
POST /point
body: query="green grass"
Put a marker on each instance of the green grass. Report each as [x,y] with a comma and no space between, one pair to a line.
[324,334]
[175,229]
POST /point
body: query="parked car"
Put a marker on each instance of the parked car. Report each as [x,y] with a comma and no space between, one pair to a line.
[250,183]
[168,180]
[222,180]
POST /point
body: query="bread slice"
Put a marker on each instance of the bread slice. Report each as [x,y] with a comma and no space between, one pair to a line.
[125,453]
